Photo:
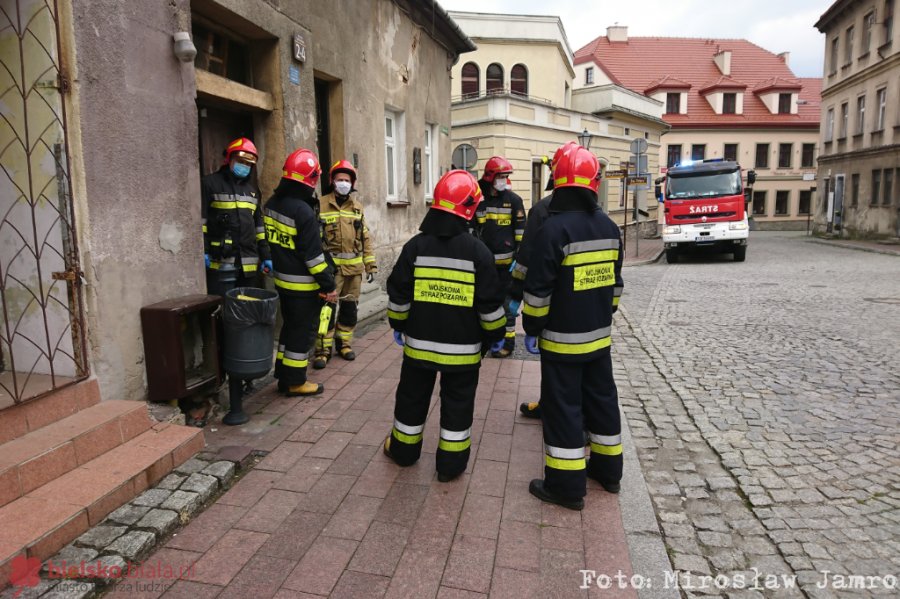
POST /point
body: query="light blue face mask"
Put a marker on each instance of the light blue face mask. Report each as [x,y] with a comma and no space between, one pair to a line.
[240,170]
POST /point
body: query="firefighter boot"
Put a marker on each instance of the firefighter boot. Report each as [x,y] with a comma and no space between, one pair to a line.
[342,345]
[322,357]
[307,388]
[537,488]
[530,409]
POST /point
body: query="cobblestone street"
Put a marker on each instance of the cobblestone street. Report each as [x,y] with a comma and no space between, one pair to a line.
[764,400]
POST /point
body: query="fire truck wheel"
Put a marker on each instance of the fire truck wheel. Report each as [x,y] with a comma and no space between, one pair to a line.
[740,253]
[672,256]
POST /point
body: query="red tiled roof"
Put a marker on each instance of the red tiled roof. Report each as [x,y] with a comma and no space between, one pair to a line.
[722,82]
[641,63]
[667,82]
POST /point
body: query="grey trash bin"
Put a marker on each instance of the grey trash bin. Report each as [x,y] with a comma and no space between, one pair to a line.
[249,318]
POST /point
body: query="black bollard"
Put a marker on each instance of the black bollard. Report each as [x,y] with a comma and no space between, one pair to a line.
[236,414]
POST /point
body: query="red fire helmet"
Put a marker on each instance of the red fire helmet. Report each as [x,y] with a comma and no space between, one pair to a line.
[244,148]
[343,166]
[303,166]
[457,192]
[496,165]
[577,168]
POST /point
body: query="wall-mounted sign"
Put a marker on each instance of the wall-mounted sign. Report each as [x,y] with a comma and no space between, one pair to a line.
[294,74]
[299,48]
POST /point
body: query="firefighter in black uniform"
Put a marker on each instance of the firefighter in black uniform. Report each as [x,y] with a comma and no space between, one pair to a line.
[500,224]
[446,309]
[303,275]
[576,266]
[234,240]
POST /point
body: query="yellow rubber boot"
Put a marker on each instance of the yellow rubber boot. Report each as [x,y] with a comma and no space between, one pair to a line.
[307,388]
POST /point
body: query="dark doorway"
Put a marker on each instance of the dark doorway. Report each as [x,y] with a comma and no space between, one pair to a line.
[218,127]
[323,132]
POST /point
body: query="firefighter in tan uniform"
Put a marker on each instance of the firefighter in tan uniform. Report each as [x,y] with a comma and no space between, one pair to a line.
[346,237]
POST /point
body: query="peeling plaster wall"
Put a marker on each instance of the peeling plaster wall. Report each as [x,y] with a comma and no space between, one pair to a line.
[140,178]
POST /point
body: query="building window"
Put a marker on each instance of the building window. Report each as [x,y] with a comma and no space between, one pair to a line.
[762,155]
[868,25]
[518,80]
[854,190]
[221,55]
[829,125]
[589,76]
[731,152]
[471,80]
[759,203]
[805,201]
[390,154]
[729,103]
[698,152]
[784,155]
[888,186]
[494,78]
[848,48]
[673,103]
[784,103]
[835,43]
[807,156]
[876,187]
[882,105]
[673,155]
[888,21]
[860,115]
[782,200]
[845,119]
[428,161]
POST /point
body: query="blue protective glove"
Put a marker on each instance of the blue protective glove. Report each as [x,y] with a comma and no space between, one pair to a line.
[531,344]
[514,307]
[206,257]
[497,346]
[266,266]
[398,338]
[512,266]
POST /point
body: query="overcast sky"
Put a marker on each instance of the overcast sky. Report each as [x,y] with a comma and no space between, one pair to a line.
[776,25]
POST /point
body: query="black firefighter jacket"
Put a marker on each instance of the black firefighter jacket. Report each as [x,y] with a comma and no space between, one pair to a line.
[539,213]
[292,229]
[574,279]
[233,230]
[500,223]
[445,296]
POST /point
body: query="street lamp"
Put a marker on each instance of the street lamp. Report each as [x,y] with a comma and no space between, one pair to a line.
[585,139]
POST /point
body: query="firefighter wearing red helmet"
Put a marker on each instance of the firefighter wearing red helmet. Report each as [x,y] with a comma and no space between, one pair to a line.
[500,224]
[346,238]
[303,274]
[571,286]
[446,309]
[234,240]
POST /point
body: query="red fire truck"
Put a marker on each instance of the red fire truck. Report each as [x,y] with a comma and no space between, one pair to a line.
[704,206]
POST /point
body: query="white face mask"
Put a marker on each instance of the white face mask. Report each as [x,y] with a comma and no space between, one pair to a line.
[499,184]
[343,187]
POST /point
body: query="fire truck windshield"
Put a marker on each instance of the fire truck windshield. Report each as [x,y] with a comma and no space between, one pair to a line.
[704,185]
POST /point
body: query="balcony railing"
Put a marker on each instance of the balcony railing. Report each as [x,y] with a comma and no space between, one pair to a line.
[503,91]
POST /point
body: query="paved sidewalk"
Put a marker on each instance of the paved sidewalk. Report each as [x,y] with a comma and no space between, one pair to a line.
[325,513]
[890,247]
[643,251]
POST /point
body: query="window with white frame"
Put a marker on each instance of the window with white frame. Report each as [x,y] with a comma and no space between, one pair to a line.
[860,115]
[829,125]
[882,106]
[428,160]
[589,76]
[393,154]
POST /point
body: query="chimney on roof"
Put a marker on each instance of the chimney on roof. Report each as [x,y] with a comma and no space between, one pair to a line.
[785,58]
[723,61]
[617,33]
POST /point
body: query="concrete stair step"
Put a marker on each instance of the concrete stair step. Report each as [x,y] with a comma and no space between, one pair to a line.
[42,521]
[24,418]
[40,456]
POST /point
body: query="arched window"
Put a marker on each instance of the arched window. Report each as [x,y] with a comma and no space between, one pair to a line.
[518,80]
[470,80]
[494,78]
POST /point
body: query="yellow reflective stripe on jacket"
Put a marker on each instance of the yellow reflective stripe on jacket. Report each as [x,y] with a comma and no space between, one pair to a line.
[231,205]
[615,301]
[397,315]
[443,273]
[445,359]
[248,267]
[588,257]
[369,259]
[318,268]
[204,229]
[347,261]
[537,312]
[296,286]
[575,348]
[444,292]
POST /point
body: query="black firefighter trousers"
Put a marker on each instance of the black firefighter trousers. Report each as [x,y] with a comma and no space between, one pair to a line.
[300,316]
[411,409]
[574,394]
